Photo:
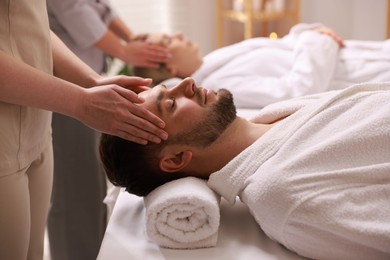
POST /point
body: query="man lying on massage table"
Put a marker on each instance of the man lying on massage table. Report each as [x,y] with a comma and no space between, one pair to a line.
[314,171]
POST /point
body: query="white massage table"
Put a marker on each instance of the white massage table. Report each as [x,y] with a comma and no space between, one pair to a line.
[239,236]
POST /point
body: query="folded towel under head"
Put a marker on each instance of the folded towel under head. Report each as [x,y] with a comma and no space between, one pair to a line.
[183,214]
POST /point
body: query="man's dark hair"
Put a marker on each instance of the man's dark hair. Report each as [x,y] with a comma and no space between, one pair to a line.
[132,165]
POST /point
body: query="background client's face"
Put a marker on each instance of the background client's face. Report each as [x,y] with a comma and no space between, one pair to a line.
[193,115]
[185,54]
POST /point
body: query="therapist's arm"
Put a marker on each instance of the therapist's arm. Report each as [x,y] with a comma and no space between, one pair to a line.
[112,107]
[120,29]
[137,53]
[109,108]
[71,68]
[22,84]
[87,29]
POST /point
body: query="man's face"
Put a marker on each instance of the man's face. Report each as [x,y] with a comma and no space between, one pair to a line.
[185,54]
[193,115]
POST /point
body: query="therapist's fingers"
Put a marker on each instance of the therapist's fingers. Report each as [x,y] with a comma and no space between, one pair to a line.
[156,53]
[141,122]
[136,130]
[152,55]
[136,84]
[148,126]
[113,110]
[132,83]
[124,81]
[145,54]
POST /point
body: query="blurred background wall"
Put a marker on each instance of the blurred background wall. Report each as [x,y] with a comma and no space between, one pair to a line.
[352,19]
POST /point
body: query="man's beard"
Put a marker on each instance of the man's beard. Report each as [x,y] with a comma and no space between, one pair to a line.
[221,115]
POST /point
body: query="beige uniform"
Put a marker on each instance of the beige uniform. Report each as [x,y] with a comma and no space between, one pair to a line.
[25,136]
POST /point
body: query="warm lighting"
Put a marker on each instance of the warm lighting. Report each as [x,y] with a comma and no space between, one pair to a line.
[238,5]
[273,36]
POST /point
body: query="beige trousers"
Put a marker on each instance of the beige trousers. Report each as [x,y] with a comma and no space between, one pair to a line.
[24,203]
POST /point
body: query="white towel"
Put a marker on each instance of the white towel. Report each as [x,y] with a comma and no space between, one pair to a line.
[183,214]
[110,199]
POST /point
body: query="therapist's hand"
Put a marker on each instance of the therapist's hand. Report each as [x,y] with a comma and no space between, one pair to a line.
[145,54]
[111,108]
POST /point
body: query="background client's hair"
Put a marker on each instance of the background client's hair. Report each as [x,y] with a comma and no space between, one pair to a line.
[158,75]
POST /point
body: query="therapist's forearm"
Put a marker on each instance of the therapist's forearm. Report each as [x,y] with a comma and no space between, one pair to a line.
[112,45]
[69,67]
[119,28]
[23,84]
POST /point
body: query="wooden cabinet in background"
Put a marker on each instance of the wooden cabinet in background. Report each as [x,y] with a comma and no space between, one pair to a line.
[252,12]
[388,20]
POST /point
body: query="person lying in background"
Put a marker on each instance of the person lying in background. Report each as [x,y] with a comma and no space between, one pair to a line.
[260,71]
[314,170]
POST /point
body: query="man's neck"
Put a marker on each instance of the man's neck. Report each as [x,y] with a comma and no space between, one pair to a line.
[237,137]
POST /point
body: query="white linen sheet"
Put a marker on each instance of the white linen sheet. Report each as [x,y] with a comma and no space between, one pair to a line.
[239,237]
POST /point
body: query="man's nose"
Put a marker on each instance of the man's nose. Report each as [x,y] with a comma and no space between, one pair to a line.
[186,87]
[190,87]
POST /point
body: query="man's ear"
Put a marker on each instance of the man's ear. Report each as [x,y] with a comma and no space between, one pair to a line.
[175,162]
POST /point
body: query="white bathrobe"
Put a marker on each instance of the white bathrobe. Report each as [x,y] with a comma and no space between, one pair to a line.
[318,182]
[261,71]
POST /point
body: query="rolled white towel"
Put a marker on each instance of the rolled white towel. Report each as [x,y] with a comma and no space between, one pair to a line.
[183,214]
